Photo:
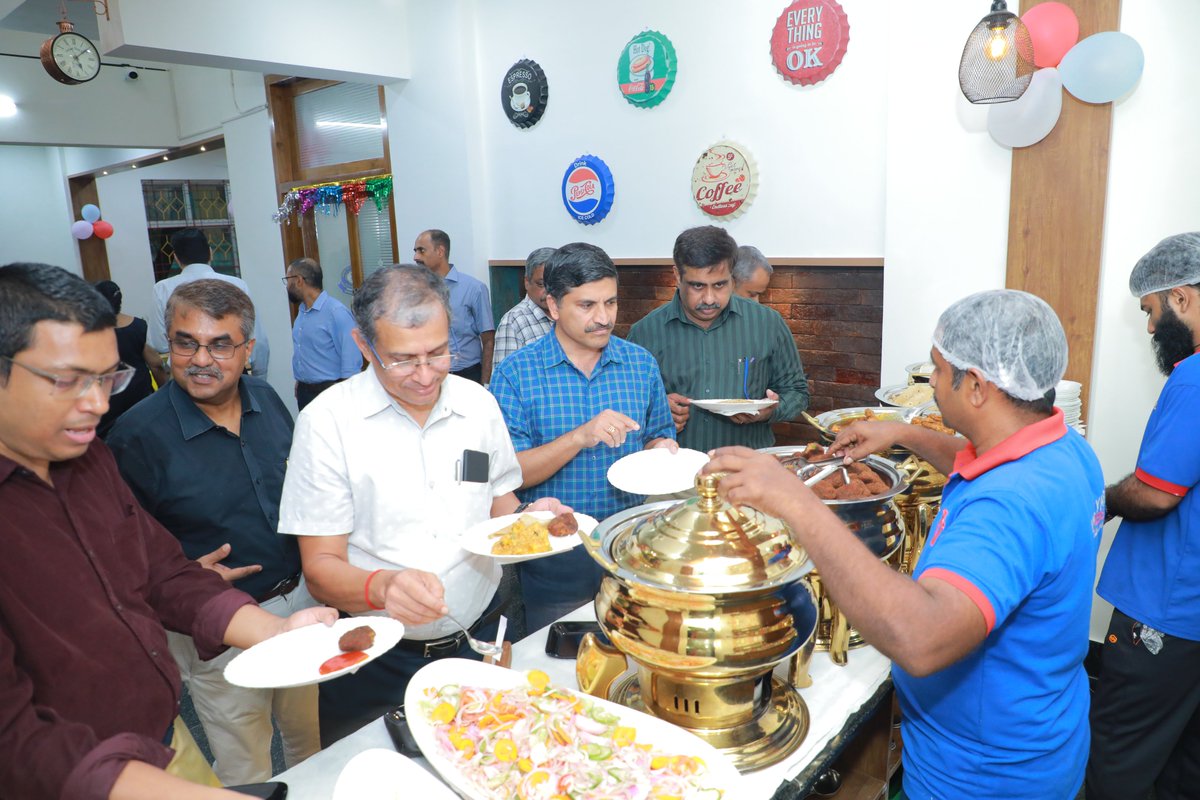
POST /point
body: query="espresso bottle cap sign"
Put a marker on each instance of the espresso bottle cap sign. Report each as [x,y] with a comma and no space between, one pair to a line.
[646,69]
[809,41]
[588,189]
[724,180]
[523,93]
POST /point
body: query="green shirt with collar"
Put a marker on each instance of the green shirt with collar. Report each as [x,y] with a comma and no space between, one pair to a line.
[710,364]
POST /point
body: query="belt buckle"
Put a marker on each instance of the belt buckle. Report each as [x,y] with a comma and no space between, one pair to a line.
[449,644]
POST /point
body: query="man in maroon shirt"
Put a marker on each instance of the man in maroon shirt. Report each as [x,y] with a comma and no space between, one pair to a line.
[88,689]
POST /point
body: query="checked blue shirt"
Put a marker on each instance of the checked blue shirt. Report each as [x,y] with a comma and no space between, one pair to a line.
[543,395]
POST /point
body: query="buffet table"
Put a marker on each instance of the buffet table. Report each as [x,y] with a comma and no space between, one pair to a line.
[840,700]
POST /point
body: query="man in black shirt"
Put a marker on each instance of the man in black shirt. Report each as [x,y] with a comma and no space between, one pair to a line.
[206,457]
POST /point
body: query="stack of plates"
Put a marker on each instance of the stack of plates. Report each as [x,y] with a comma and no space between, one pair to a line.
[1067,398]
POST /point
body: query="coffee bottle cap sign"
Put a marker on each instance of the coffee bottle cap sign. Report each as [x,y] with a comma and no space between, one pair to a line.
[523,93]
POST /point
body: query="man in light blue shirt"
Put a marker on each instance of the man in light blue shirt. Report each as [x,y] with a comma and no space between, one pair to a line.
[323,349]
[472,331]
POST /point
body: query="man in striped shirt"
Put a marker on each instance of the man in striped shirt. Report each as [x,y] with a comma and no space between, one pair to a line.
[575,402]
[713,345]
[528,320]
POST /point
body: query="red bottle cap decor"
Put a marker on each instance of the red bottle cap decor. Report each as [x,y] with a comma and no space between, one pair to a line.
[809,40]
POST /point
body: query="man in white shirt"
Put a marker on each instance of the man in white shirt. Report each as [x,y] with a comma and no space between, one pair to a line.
[529,320]
[387,470]
[192,254]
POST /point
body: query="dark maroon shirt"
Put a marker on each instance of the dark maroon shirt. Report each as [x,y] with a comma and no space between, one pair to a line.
[88,582]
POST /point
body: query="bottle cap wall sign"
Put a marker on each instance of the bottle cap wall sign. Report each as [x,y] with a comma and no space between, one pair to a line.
[646,69]
[809,40]
[523,93]
[588,189]
[724,180]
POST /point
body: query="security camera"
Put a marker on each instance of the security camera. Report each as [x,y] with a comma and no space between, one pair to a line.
[132,75]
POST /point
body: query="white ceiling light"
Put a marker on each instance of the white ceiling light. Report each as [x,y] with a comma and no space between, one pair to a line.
[8,106]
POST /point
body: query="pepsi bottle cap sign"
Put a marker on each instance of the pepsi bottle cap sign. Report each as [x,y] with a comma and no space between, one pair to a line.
[523,93]
[588,189]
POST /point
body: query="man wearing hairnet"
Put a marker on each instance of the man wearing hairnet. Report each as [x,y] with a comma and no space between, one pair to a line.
[988,636]
[1145,718]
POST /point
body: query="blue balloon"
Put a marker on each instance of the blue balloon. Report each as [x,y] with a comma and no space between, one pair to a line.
[1102,67]
[90,212]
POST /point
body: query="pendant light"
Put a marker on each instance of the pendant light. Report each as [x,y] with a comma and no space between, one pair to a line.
[997,62]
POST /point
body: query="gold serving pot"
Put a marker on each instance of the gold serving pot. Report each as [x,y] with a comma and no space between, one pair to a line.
[706,599]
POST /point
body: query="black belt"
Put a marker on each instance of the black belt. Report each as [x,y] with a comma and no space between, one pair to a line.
[321,385]
[283,587]
[447,645]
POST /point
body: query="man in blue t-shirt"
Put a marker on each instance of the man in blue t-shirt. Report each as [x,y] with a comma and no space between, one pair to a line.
[1146,714]
[988,641]
[575,402]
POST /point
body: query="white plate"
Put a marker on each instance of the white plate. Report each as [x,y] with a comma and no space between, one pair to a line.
[657,471]
[379,774]
[295,658]
[734,406]
[662,735]
[885,394]
[476,539]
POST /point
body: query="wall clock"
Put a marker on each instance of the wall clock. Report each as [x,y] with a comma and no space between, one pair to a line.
[70,57]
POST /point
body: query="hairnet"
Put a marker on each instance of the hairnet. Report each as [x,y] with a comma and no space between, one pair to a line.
[1013,338]
[1175,261]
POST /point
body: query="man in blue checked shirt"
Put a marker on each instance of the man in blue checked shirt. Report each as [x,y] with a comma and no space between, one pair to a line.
[575,402]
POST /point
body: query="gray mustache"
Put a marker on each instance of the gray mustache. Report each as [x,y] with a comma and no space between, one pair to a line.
[598,328]
[208,372]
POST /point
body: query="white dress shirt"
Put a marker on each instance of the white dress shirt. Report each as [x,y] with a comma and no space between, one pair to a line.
[157,334]
[361,465]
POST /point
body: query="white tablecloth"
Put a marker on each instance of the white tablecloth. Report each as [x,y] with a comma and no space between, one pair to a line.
[836,693]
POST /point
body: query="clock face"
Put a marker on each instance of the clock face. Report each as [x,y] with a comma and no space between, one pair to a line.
[75,56]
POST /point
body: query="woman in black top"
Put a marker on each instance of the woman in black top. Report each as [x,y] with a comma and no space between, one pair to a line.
[131,344]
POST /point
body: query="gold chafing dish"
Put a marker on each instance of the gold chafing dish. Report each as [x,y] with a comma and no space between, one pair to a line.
[706,599]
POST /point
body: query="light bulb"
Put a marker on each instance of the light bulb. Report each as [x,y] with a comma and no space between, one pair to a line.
[997,46]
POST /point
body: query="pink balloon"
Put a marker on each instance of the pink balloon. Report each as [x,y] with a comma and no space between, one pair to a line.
[1054,29]
[81,229]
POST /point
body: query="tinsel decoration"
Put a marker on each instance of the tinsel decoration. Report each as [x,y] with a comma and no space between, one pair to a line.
[354,195]
[379,189]
[308,198]
[329,199]
[287,208]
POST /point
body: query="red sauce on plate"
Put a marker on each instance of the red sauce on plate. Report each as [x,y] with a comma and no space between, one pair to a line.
[342,660]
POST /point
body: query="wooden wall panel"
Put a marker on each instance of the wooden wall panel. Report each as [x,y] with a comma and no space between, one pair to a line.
[1056,216]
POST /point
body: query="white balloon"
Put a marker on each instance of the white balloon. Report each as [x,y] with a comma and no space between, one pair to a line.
[1030,118]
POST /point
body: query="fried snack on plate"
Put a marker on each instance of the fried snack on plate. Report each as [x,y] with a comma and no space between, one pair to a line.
[564,524]
[360,638]
[933,422]
[526,536]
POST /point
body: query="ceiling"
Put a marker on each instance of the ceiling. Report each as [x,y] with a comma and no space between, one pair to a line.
[41,16]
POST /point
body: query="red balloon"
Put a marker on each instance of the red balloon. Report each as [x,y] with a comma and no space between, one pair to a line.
[1054,29]
[102,229]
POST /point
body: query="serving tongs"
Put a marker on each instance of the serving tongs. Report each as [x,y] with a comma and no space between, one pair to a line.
[811,420]
[916,411]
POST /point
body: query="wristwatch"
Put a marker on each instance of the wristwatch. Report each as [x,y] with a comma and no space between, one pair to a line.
[521,507]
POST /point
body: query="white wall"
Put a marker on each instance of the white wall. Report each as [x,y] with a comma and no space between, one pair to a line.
[820,149]
[108,110]
[35,211]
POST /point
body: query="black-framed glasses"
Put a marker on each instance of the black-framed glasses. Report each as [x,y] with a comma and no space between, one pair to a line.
[288,278]
[409,366]
[76,384]
[218,350]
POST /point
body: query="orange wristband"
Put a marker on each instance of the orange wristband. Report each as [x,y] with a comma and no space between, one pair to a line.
[367,592]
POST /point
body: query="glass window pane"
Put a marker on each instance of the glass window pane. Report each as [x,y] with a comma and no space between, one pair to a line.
[333,254]
[339,124]
[375,238]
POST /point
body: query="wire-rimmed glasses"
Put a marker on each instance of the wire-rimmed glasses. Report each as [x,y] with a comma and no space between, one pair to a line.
[439,363]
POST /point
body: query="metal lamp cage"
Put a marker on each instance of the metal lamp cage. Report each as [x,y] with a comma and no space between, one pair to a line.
[997,61]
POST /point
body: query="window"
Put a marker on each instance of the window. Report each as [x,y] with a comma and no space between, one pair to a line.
[174,205]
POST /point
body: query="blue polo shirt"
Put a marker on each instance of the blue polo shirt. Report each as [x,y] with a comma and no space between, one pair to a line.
[1017,533]
[1152,572]
[323,348]
[208,486]
[543,396]
[470,315]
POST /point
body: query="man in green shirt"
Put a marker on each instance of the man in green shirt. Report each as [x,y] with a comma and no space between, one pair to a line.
[713,345]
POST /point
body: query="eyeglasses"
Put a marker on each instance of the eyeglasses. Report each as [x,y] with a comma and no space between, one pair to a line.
[290,277]
[407,367]
[77,384]
[218,350]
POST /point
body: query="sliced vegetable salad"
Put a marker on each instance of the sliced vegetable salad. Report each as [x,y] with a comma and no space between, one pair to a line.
[538,742]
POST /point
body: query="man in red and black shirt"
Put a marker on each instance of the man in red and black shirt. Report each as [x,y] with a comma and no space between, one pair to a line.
[89,692]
